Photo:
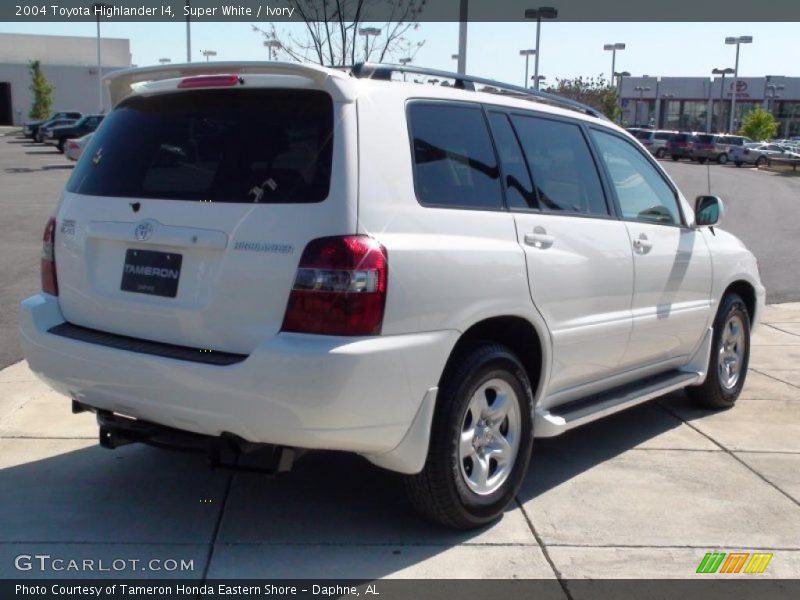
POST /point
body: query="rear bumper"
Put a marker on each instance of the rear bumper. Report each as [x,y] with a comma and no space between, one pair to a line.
[305,391]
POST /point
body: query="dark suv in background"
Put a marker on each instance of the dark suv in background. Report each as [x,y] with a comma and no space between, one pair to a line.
[87,124]
[679,145]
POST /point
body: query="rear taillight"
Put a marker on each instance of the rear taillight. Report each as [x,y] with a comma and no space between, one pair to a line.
[48,262]
[72,146]
[340,287]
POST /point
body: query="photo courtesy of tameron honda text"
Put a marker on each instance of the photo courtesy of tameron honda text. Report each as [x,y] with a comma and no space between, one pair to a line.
[430,315]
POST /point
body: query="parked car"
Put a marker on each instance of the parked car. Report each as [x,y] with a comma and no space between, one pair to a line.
[74,148]
[377,272]
[716,147]
[31,128]
[655,140]
[60,135]
[46,129]
[757,154]
[679,145]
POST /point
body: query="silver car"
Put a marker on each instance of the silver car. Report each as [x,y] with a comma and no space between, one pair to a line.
[655,140]
[757,154]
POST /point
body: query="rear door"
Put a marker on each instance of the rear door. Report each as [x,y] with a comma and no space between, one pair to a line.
[672,293]
[185,218]
[578,255]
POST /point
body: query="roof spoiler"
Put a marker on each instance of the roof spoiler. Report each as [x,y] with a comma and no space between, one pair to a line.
[121,83]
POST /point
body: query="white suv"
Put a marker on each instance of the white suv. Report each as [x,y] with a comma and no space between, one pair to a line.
[280,256]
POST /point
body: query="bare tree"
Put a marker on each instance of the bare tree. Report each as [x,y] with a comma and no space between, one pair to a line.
[331,28]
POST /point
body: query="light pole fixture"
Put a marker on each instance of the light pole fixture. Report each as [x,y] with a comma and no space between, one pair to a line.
[737,41]
[723,72]
[613,49]
[527,54]
[773,88]
[165,61]
[540,78]
[366,32]
[404,62]
[543,12]
[641,89]
[208,53]
[98,8]
[272,46]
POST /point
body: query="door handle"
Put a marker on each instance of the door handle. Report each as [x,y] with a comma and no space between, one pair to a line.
[642,244]
[539,238]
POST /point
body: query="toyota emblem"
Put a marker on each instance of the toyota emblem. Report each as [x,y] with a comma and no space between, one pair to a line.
[143,231]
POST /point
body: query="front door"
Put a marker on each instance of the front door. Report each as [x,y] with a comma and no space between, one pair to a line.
[672,264]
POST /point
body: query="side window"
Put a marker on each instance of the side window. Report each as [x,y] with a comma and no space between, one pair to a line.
[642,192]
[561,165]
[454,161]
[518,186]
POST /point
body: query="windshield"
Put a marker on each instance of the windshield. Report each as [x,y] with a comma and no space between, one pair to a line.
[228,145]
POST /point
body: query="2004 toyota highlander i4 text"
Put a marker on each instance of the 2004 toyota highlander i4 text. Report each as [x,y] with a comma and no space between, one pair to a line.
[279,257]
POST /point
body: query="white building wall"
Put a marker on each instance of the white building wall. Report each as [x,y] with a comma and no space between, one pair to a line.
[68,62]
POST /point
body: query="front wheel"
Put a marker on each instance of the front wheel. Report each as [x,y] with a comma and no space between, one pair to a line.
[480,441]
[660,153]
[722,159]
[730,355]
[762,160]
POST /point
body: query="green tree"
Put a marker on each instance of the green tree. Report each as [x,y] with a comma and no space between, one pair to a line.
[597,92]
[42,91]
[759,125]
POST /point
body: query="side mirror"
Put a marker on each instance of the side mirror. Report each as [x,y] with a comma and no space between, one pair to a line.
[707,211]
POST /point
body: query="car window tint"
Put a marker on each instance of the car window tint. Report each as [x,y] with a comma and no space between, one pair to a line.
[561,165]
[454,162]
[518,186]
[223,145]
[641,190]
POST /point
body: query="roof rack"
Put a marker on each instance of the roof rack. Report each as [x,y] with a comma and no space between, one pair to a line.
[384,72]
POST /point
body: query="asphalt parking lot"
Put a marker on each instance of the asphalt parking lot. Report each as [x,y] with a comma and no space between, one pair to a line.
[645,493]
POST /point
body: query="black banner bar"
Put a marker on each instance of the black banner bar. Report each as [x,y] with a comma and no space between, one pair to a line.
[259,11]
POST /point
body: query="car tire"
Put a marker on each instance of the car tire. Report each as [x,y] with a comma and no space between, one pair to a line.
[660,153]
[722,159]
[761,161]
[450,489]
[60,145]
[730,356]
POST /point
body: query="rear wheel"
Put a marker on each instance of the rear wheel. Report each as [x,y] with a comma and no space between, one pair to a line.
[722,158]
[762,160]
[480,442]
[660,153]
[730,354]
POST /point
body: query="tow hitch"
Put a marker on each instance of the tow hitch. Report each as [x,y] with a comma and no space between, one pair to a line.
[228,451]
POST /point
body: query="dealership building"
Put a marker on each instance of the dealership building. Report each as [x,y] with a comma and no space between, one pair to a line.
[68,62]
[704,104]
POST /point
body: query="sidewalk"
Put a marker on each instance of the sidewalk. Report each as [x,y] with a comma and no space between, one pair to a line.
[645,493]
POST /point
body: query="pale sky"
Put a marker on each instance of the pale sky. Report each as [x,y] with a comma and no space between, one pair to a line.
[567,49]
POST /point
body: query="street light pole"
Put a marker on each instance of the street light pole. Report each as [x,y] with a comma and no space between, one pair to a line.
[543,12]
[527,54]
[404,62]
[742,39]
[366,32]
[723,72]
[619,77]
[272,45]
[613,48]
[98,7]
[208,54]
[463,16]
[188,33]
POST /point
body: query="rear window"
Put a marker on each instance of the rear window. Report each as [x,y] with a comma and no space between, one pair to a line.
[644,135]
[705,139]
[662,135]
[219,145]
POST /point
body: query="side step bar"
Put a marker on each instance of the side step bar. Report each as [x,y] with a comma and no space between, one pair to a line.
[574,414]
